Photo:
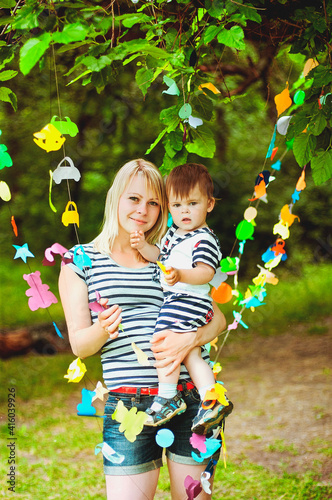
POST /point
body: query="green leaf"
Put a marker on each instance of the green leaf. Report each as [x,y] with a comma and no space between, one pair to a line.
[232,38]
[215,7]
[154,144]
[130,19]
[26,18]
[317,124]
[170,118]
[7,75]
[303,148]
[32,51]
[94,64]
[169,163]
[321,167]
[203,106]
[7,95]
[7,4]
[144,78]
[210,33]
[176,139]
[75,32]
[250,13]
[203,143]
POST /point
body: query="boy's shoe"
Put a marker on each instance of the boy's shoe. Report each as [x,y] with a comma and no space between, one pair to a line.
[206,420]
[163,409]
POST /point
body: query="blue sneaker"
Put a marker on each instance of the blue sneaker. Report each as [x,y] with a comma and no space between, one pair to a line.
[162,410]
[207,420]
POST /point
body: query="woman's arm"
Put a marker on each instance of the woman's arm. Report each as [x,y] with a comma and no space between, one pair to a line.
[171,348]
[86,338]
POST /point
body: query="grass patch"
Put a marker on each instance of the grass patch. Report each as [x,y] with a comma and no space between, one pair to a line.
[55,447]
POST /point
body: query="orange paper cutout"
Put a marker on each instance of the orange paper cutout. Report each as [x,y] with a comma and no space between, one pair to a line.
[283,101]
[222,294]
[301,184]
[287,216]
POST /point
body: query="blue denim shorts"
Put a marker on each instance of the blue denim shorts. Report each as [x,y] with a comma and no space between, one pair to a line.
[144,454]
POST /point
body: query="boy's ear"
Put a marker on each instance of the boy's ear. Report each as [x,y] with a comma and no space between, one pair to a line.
[211,203]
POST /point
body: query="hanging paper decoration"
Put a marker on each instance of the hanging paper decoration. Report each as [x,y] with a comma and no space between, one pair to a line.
[173,89]
[217,393]
[210,87]
[99,392]
[110,454]
[50,193]
[5,158]
[205,476]
[286,215]
[81,259]
[14,226]
[212,445]
[283,124]
[244,230]
[49,138]
[22,252]
[132,421]
[52,251]
[309,65]
[70,216]
[283,101]
[222,294]
[164,438]
[39,293]
[65,127]
[76,371]
[66,171]
[5,193]
[195,122]
[271,146]
[198,441]
[85,408]
[142,357]
[193,487]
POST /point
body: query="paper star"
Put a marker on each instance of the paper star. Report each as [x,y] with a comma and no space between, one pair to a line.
[99,392]
[22,252]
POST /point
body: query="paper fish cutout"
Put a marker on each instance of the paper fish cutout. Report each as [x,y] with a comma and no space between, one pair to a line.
[65,126]
[66,172]
[172,87]
[99,392]
[14,226]
[76,371]
[164,438]
[193,487]
[110,454]
[301,184]
[287,216]
[283,101]
[198,441]
[22,252]
[283,124]
[282,229]
[85,408]
[222,294]
[81,259]
[244,230]
[39,293]
[52,251]
[49,138]
[132,421]
[205,476]
[5,193]
[142,357]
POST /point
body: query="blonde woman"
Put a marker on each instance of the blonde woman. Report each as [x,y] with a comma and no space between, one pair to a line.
[130,296]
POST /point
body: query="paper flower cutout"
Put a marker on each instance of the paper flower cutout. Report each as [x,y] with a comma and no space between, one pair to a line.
[142,357]
[283,101]
[85,408]
[76,371]
[99,392]
[49,138]
[110,454]
[198,441]
[5,193]
[132,421]
[22,252]
[39,293]
[193,487]
[65,126]
[66,172]
[164,438]
[52,251]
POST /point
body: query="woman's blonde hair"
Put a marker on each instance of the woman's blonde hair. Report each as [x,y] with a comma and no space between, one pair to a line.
[105,240]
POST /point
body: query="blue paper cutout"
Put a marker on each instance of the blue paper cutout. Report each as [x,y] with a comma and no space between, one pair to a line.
[81,260]
[22,252]
[57,330]
[276,165]
[271,146]
[85,408]
[164,438]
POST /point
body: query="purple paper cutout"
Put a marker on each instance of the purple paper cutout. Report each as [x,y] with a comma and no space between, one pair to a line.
[52,251]
[193,487]
[39,293]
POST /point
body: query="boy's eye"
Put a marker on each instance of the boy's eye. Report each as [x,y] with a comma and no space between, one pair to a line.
[193,203]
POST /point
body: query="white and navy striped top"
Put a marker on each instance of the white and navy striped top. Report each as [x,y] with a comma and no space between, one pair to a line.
[140,298]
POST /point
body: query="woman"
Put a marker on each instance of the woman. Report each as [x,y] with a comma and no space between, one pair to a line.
[131,296]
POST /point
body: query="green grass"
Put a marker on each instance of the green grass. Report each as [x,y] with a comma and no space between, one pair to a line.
[55,448]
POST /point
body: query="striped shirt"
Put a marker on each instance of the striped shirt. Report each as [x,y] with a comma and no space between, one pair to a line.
[140,298]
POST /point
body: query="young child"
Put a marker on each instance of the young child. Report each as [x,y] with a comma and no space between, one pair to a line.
[190,252]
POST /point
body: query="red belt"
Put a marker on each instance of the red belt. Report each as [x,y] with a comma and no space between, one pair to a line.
[150,391]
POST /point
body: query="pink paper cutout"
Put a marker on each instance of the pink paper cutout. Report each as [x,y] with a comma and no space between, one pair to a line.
[96,306]
[193,487]
[52,251]
[198,442]
[39,293]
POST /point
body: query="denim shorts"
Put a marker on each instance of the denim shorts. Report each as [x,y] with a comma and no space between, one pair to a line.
[144,454]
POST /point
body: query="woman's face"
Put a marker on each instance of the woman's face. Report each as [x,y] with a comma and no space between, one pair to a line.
[139,207]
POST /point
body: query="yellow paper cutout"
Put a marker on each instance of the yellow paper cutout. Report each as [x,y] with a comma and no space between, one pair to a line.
[5,193]
[76,371]
[217,368]
[141,356]
[209,86]
[162,267]
[49,138]
[283,101]
[100,391]
[214,343]
[281,228]
[287,216]
[224,450]
[132,421]
[309,65]
[301,183]
[217,393]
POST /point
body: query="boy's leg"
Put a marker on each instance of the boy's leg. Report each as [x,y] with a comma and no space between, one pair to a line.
[200,372]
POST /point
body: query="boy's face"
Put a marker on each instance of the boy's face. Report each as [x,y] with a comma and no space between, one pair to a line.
[190,213]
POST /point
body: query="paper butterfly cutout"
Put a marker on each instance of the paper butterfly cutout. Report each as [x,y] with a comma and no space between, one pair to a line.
[132,421]
[39,293]
[173,89]
[76,371]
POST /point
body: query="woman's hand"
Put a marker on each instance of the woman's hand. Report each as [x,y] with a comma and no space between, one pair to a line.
[110,319]
[171,348]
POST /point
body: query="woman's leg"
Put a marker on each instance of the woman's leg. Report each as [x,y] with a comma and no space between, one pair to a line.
[135,487]
[178,473]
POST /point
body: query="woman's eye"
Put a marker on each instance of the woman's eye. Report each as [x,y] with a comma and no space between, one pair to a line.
[154,203]
[133,198]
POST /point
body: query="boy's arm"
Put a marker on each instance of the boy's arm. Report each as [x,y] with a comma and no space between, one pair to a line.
[199,275]
[149,252]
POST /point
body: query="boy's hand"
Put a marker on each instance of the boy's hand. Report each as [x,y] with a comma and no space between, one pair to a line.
[172,275]
[137,240]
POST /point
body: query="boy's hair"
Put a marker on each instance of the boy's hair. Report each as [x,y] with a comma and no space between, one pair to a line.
[184,178]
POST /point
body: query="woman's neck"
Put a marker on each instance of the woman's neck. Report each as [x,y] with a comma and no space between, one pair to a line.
[123,254]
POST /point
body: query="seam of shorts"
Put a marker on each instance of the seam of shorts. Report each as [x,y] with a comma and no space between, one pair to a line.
[189,460]
[131,470]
